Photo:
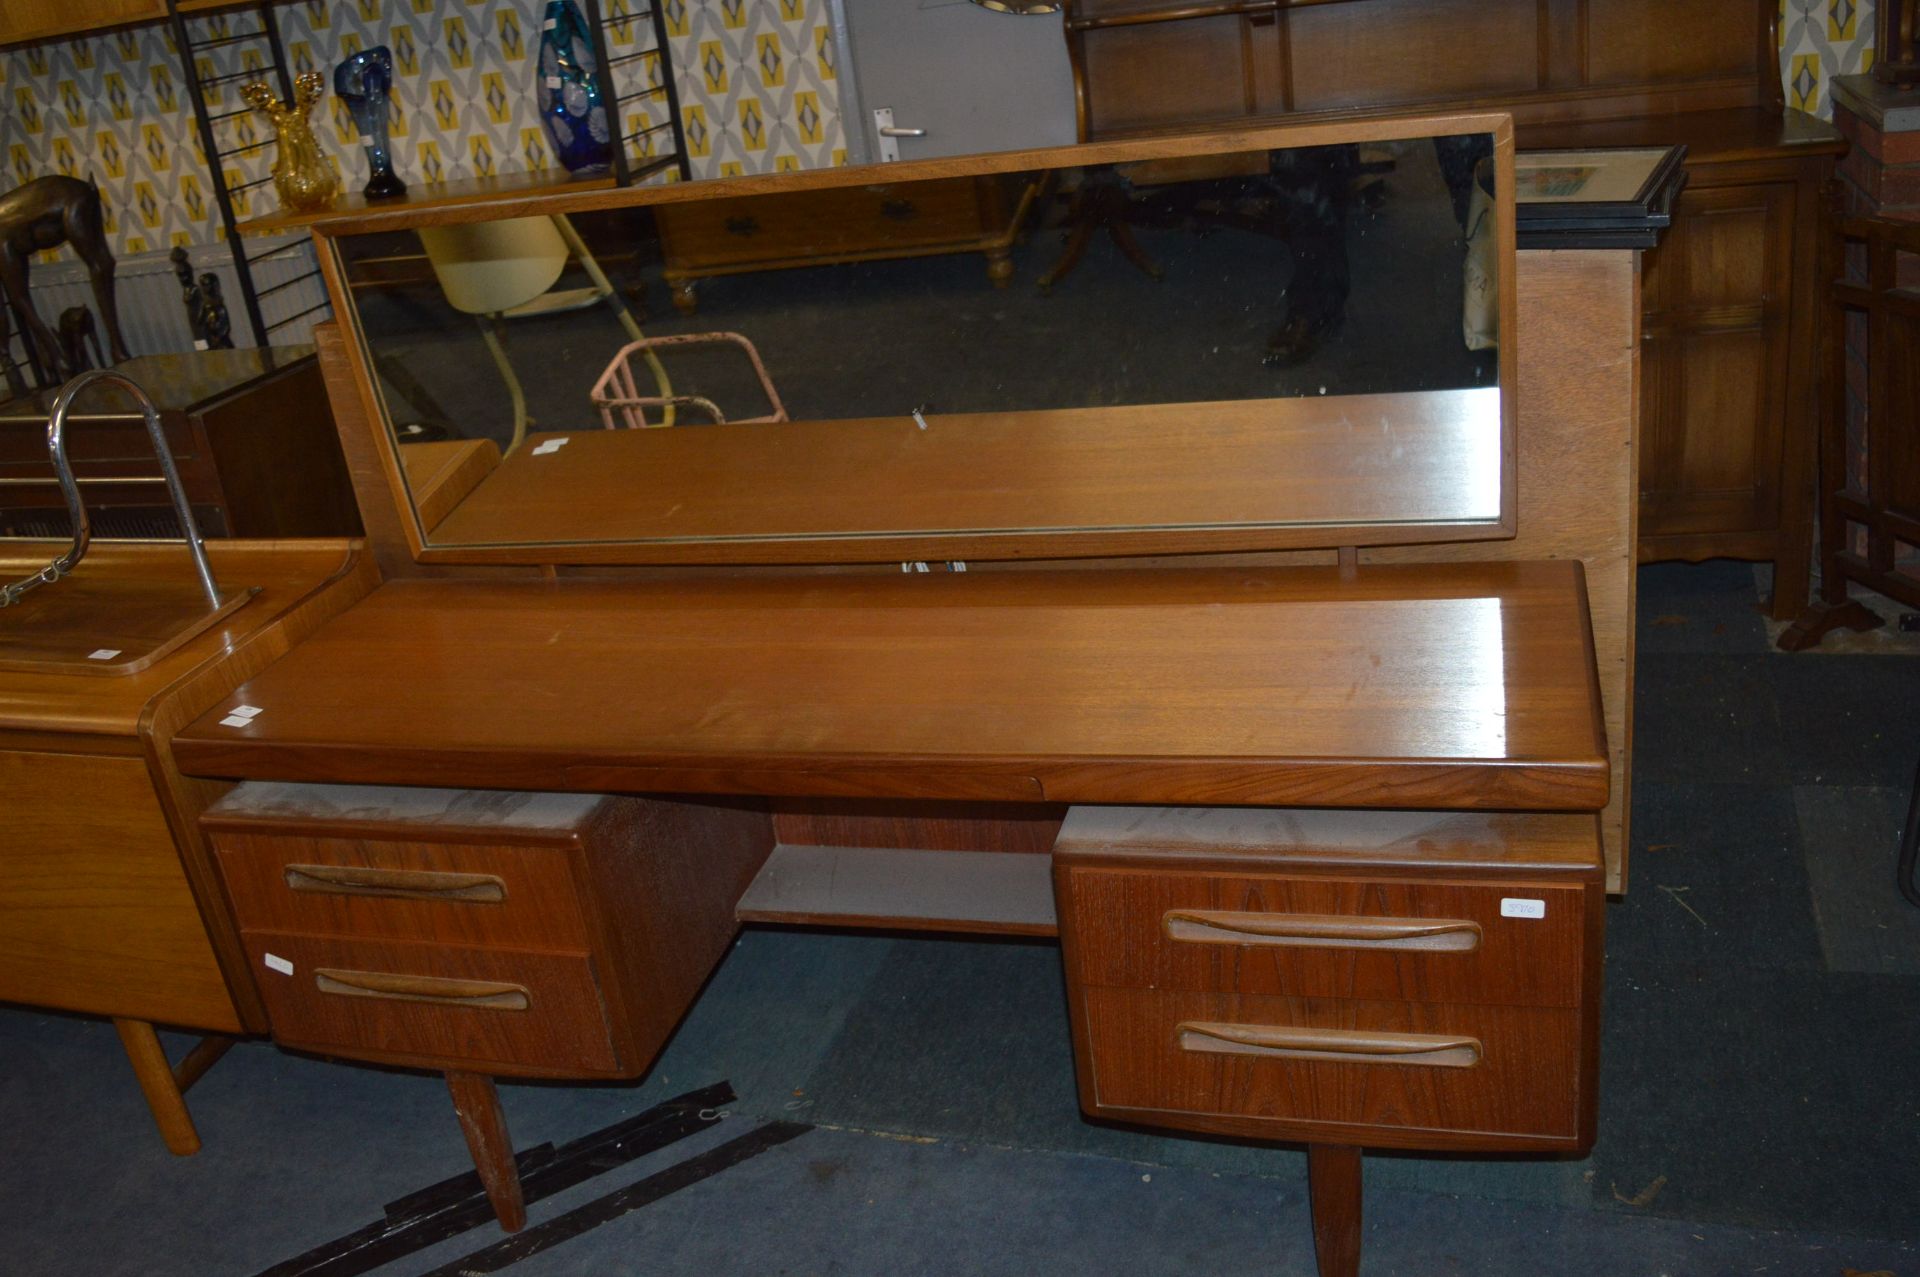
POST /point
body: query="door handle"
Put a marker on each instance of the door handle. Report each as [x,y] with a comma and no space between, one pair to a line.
[893,131]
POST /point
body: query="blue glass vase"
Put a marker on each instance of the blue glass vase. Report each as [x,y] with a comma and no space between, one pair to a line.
[365,83]
[568,94]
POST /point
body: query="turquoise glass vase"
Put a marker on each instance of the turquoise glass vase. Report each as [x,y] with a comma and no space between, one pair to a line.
[571,104]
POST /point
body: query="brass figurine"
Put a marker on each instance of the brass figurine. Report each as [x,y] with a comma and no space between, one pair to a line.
[301,174]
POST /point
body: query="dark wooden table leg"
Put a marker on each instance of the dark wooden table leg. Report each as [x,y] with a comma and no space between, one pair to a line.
[478,1107]
[1333,1181]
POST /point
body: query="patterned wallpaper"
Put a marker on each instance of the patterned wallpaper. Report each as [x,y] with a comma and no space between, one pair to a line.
[756,79]
[1820,39]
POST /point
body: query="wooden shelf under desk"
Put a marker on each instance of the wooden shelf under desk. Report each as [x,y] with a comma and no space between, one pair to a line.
[1445,686]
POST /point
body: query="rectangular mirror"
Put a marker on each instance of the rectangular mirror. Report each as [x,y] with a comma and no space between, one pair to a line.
[1261,340]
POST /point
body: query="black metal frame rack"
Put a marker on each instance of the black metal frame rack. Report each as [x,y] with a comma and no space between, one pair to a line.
[243,262]
[657,81]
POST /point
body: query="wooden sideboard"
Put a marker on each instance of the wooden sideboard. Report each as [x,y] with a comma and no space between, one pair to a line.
[1730,298]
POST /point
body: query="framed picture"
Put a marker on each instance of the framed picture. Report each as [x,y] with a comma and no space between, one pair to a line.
[1600,198]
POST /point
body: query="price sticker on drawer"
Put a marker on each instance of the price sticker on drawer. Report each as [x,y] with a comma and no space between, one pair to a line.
[274,962]
[1518,907]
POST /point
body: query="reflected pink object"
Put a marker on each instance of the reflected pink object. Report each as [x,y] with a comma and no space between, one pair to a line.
[618,390]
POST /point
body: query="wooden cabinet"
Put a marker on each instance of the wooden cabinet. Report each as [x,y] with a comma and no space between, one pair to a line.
[1729,340]
[251,435]
[533,935]
[1728,405]
[108,904]
[1727,443]
[845,224]
[1405,979]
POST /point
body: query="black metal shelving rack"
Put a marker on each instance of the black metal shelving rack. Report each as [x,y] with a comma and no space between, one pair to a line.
[656,79]
[243,262]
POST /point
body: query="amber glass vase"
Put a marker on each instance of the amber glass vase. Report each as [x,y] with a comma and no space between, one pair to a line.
[301,173]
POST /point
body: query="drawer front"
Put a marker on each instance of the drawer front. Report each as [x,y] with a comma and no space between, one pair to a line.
[520,897]
[821,224]
[482,1009]
[1314,937]
[1407,1071]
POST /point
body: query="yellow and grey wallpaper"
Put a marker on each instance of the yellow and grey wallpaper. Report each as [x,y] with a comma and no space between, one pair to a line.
[757,84]
[756,79]
[1820,39]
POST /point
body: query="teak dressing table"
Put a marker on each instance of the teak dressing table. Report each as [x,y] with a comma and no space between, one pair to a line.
[1311,790]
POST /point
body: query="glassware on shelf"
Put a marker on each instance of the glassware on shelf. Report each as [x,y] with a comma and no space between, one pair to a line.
[568,92]
[365,83]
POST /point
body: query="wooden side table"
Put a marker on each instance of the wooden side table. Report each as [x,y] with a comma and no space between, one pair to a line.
[252,436]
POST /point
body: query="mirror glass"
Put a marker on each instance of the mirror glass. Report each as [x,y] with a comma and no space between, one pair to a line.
[1271,338]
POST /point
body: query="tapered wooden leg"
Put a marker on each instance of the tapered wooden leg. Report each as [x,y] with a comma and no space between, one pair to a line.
[159,1085]
[1333,1181]
[478,1107]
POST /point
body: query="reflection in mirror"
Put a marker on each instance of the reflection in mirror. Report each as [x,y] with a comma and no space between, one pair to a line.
[836,332]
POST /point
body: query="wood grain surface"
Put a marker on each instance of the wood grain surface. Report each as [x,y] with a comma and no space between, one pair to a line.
[1466,686]
[1377,467]
[95,913]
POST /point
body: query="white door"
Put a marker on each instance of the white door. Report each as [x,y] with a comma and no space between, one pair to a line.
[958,78]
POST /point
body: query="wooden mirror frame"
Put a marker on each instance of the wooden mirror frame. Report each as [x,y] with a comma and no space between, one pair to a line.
[495,199]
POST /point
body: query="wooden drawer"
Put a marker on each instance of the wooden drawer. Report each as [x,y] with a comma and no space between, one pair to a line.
[1499,943]
[441,1006]
[520,897]
[1379,1073]
[827,225]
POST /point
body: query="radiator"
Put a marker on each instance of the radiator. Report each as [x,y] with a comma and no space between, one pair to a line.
[147,295]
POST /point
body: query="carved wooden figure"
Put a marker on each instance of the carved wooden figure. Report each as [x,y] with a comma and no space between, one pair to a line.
[46,213]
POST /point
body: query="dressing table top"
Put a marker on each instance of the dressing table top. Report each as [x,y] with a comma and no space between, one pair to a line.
[1443,686]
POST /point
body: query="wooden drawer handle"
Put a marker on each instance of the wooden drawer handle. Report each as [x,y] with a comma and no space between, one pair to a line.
[486,995]
[1346,1046]
[1327,931]
[398,884]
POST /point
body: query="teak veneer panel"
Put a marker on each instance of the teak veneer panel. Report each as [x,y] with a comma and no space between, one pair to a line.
[95,912]
[1454,686]
[1305,462]
[107,891]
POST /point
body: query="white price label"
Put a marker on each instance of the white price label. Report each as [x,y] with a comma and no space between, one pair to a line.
[103,654]
[274,962]
[1516,907]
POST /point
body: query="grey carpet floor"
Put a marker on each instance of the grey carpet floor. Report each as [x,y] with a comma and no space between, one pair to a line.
[1760,1107]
